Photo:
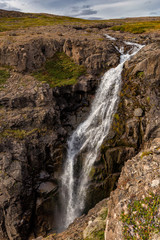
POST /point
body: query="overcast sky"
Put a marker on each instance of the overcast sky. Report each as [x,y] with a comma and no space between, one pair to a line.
[90,9]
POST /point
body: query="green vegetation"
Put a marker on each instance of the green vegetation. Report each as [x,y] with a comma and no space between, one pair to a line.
[142,218]
[97,232]
[148,99]
[146,153]
[4,75]
[20,133]
[118,124]
[104,214]
[59,71]
[140,75]
[92,172]
[35,20]
[101,39]
[137,27]
[116,116]
[97,235]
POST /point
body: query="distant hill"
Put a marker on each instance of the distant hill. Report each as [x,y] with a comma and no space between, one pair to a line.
[13,20]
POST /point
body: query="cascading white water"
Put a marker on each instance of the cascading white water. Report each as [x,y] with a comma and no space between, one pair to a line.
[88,138]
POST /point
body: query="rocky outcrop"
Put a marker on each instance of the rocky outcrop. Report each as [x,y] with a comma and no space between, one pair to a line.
[30,55]
[139,178]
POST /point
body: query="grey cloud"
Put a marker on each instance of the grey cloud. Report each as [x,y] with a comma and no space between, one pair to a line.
[83,10]
[148,2]
[86,6]
[61,4]
[78,8]
[94,18]
[87,12]
[154,13]
[5,6]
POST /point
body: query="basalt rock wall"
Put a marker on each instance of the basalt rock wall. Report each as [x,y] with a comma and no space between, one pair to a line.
[36,121]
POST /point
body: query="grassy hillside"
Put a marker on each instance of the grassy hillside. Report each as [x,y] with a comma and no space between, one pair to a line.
[10,20]
[137,27]
[34,20]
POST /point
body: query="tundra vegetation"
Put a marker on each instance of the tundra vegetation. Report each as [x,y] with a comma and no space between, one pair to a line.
[139,25]
[142,218]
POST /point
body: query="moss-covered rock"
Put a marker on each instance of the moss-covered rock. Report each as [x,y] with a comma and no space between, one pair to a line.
[95,229]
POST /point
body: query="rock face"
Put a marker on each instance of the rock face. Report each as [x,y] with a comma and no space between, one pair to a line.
[136,120]
[34,125]
[90,226]
[29,55]
[135,127]
[139,178]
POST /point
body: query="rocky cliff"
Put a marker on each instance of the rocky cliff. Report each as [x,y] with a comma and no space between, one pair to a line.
[35,123]
[37,119]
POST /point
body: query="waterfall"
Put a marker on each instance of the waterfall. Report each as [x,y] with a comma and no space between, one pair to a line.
[88,138]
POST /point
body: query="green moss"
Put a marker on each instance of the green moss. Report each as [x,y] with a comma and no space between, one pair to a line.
[137,27]
[101,39]
[142,218]
[4,75]
[148,99]
[59,71]
[92,172]
[146,153]
[118,125]
[99,235]
[104,214]
[140,75]
[116,116]
[19,133]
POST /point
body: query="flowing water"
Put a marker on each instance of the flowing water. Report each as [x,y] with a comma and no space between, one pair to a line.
[87,139]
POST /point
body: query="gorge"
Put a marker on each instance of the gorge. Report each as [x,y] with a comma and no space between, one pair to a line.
[88,138]
[49,76]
